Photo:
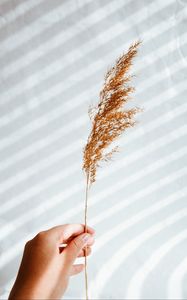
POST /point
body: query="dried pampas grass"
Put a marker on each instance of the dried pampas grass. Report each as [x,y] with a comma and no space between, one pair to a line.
[109,120]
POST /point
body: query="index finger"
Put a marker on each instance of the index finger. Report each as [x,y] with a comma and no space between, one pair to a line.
[64,232]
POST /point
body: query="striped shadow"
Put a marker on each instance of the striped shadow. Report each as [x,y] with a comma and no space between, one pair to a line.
[161,141]
[83,121]
[23,42]
[150,126]
[31,16]
[26,132]
[136,283]
[19,111]
[119,257]
[168,180]
[22,154]
[50,45]
[52,81]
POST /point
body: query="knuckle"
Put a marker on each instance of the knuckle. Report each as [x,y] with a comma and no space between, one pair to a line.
[40,237]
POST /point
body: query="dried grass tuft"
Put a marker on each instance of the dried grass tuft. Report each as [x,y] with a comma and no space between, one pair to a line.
[109,118]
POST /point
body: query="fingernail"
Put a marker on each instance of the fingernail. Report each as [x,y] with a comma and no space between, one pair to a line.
[86,237]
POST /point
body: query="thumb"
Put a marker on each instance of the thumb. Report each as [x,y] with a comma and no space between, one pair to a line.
[75,246]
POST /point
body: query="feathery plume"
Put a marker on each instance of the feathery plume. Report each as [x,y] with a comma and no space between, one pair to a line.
[109,120]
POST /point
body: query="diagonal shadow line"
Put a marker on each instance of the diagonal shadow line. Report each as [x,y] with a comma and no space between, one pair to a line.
[35,213]
[158,255]
[18,248]
[31,16]
[19,8]
[25,195]
[65,50]
[67,151]
[135,243]
[54,79]
[9,6]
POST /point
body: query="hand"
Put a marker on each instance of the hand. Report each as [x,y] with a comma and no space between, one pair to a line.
[46,266]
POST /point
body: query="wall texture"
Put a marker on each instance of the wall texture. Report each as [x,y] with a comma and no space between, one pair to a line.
[53,57]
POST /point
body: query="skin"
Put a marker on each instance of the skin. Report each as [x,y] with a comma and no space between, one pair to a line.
[46,266]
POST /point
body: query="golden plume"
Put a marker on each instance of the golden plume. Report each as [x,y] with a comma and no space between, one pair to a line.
[109,120]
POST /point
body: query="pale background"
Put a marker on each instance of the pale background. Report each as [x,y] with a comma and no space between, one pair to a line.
[53,57]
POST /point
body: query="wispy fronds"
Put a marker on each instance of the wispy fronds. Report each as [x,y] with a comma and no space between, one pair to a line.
[109,118]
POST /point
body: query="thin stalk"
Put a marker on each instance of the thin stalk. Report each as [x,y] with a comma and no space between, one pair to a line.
[85,223]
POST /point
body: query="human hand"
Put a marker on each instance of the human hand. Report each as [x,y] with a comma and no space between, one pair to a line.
[46,267]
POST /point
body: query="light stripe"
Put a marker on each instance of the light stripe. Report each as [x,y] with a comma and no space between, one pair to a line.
[119,257]
[136,284]
[175,283]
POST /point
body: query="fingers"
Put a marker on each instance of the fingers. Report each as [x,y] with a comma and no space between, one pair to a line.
[82,252]
[73,249]
[64,233]
[76,269]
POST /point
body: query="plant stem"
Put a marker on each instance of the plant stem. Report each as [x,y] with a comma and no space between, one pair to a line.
[85,223]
